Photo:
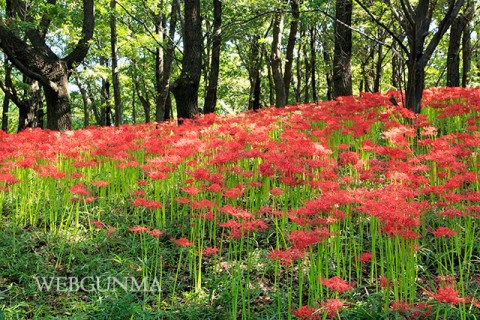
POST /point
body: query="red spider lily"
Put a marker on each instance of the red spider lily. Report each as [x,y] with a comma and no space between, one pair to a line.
[286,257]
[182,242]
[233,193]
[209,251]
[332,306]
[276,191]
[79,189]
[100,183]
[443,232]
[139,229]
[306,313]
[447,294]
[98,224]
[183,200]
[49,171]
[191,190]
[203,204]
[302,239]
[149,204]
[156,233]
[336,284]
[413,311]
[365,257]
[8,178]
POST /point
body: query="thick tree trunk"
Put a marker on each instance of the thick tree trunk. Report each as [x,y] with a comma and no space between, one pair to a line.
[453,54]
[59,115]
[342,74]
[211,95]
[287,77]
[415,85]
[185,88]
[276,58]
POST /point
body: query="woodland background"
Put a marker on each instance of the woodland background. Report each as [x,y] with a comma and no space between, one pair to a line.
[72,64]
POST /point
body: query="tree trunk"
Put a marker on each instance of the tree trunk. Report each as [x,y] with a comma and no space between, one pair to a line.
[160,25]
[211,95]
[254,74]
[287,77]
[415,85]
[306,60]
[313,64]
[342,75]
[185,88]
[453,54]
[164,102]
[115,80]
[59,115]
[84,94]
[466,46]
[276,58]
[378,69]
[6,103]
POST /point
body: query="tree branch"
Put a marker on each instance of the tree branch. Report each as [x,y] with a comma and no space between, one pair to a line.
[381,24]
[81,49]
[452,12]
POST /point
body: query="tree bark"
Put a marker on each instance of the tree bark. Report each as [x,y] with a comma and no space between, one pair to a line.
[313,64]
[164,93]
[453,54]
[254,74]
[211,94]
[342,75]
[117,98]
[287,77]
[466,46]
[185,88]
[276,58]
[160,25]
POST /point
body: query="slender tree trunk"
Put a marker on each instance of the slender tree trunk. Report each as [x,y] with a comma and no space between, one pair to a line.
[287,77]
[115,80]
[271,85]
[160,25]
[254,74]
[466,45]
[306,60]
[211,95]
[378,69]
[298,89]
[313,64]
[6,98]
[276,58]
[342,75]
[164,94]
[84,94]
[185,88]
